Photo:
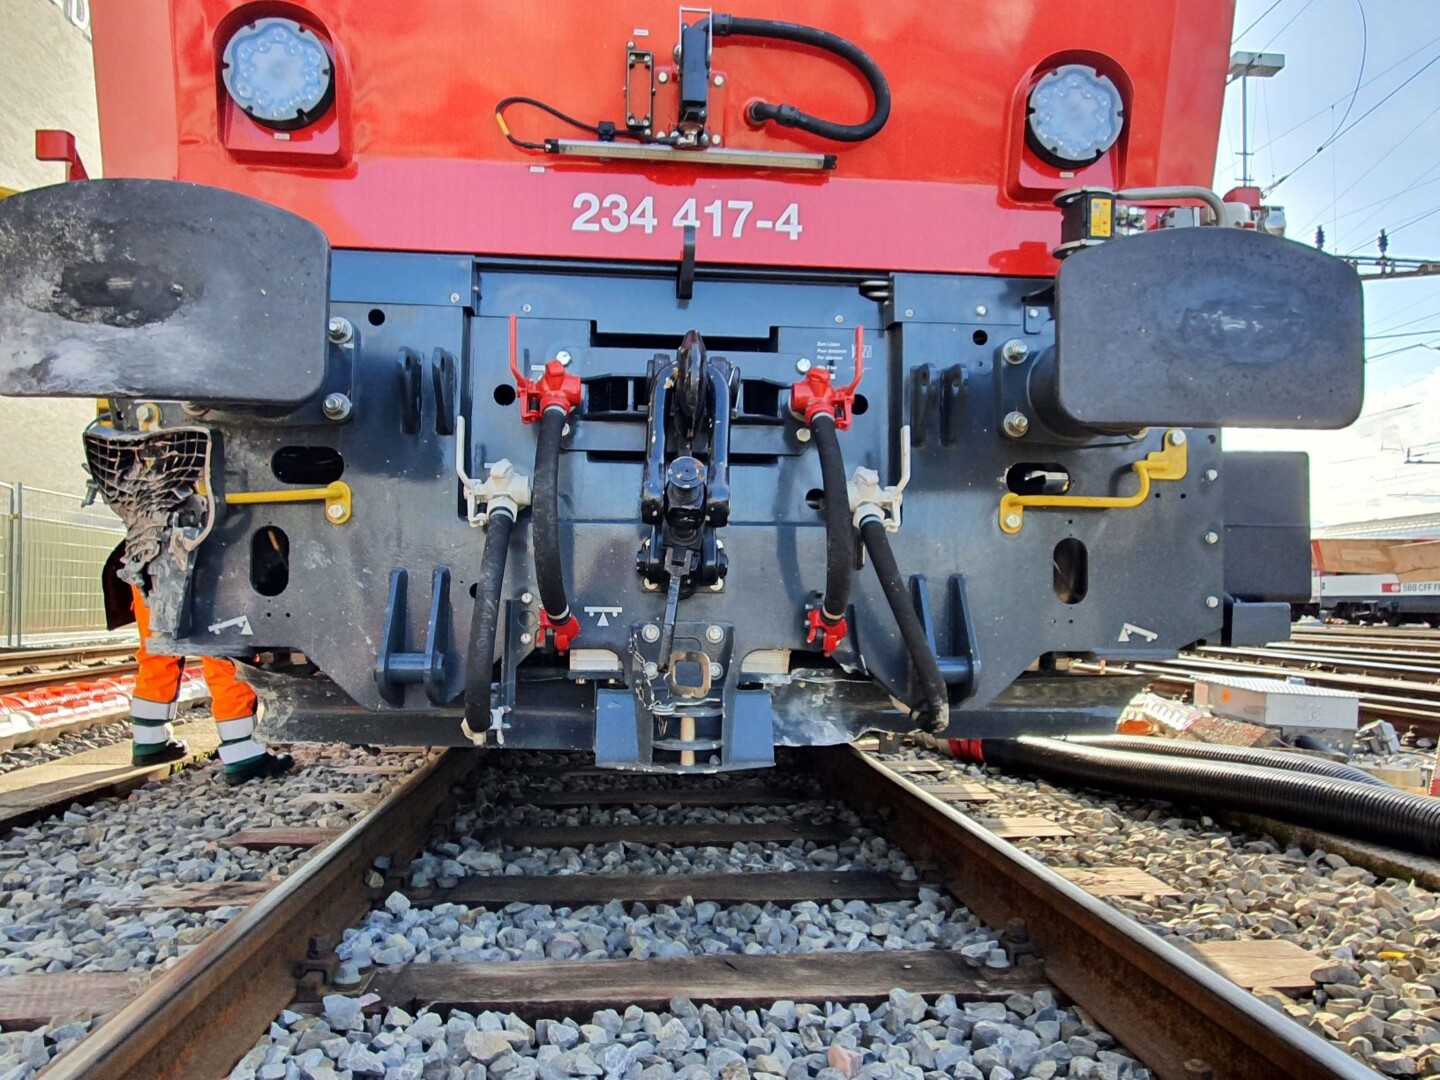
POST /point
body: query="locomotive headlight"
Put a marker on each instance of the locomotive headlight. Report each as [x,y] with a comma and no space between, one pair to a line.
[1075,114]
[279,73]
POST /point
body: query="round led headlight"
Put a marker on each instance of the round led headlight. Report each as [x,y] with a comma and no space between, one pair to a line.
[1075,115]
[279,73]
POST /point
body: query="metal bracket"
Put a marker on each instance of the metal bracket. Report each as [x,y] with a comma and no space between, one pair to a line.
[443,378]
[923,401]
[635,120]
[410,391]
[1168,463]
[952,403]
[336,497]
[685,272]
[960,667]
[394,667]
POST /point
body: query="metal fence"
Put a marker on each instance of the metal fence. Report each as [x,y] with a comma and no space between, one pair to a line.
[51,552]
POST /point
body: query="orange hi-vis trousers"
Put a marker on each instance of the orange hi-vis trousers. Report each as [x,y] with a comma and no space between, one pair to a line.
[157,685]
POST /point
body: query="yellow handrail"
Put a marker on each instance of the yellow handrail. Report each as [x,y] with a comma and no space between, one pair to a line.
[1168,463]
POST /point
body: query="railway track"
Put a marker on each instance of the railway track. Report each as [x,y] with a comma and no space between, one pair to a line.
[1396,673]
[1046,934]
[28,669]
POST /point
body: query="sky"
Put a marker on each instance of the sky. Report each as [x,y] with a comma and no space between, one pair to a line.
[1343,59]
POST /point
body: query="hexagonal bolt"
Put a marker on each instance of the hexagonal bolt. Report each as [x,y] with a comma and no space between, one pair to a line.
[1177,438]
[527,598]
[1212,537]
[340,330]
[662,77]
[335,511]
[526,638]
[651,669]
[980,310]
[802,365]
[803,435]
[716,671]
[1012,521]
[650,632]
[719,80]
[564,357]
[714,634]
[1212,601]
[1016,424]
[1211,475]
[1015,351]
[336,406]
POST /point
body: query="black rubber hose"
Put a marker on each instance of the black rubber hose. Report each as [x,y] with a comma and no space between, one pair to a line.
[480,661]
[545,516]
[1377,814]
[839,531]
[1249,755]
[934,711]
[788,115]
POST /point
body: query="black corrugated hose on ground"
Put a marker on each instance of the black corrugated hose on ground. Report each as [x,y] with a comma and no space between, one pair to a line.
[1364,811]
[1247,755]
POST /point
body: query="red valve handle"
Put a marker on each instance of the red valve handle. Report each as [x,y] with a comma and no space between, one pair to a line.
[564,633]
[816,394]
[830,634]
[556,388]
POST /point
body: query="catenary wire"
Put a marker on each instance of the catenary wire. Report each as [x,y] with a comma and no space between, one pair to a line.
[1372,80]
[1258,21]
[1342,132]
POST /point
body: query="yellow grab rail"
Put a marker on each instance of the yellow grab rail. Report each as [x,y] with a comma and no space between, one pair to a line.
[336,497]
[1168,463]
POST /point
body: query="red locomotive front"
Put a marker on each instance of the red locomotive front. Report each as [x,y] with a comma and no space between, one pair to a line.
[679,383]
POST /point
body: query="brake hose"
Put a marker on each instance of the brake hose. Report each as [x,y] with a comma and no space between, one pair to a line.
[759,112]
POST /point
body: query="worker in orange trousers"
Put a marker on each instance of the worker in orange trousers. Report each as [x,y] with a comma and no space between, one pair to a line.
[232,703]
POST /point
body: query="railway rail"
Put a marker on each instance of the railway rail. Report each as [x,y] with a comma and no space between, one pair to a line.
[27,669]
[1396,673]
[1178,1017]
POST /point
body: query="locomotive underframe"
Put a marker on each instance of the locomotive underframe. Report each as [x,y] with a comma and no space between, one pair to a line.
[1152,581]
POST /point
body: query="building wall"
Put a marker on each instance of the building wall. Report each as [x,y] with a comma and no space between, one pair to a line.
[47,80]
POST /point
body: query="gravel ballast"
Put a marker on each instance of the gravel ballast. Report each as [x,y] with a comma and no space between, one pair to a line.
[1376,940]
[61,878]
[905,1036]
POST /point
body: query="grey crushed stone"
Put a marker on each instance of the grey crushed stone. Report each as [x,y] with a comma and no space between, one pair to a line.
[403,934]
[907,1036]
[59,879]
[1383,1009]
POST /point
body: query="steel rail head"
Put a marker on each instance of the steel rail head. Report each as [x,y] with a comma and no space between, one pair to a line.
[1161,1005]
[200,1017]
